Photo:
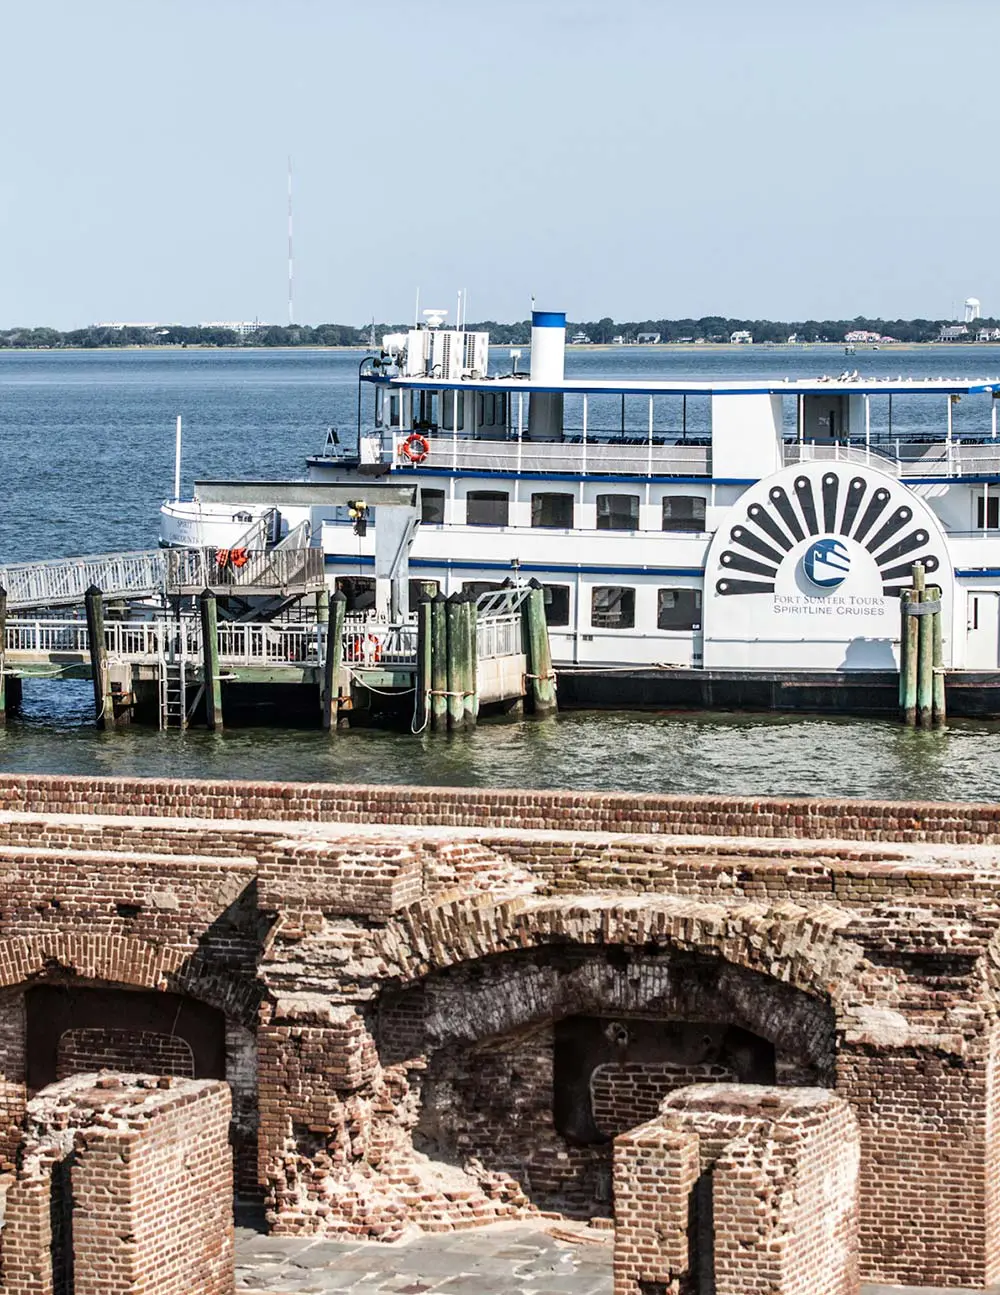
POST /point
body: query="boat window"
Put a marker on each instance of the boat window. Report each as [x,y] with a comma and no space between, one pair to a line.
[617,512]
[448,411]
[552,510]
[359,592]
[487,507]
[988,516]
[612,607]
[556,604]
[432,507]
[678,609]
[425,410]
[477,587]
[394,409]
[683,513]
[419,587]
[379,398]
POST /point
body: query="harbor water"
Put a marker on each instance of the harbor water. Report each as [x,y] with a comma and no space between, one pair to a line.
[87,448]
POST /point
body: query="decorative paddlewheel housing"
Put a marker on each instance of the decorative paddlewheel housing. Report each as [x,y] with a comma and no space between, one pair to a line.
[807,572]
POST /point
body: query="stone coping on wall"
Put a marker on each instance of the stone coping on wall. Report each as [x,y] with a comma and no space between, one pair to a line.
[942,822]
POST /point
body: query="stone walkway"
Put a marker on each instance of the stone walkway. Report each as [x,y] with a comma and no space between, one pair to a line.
[543,1258]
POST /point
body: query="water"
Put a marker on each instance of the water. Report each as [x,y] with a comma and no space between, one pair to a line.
[87,451]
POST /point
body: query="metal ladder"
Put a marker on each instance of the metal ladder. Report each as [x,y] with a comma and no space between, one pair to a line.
[173,677]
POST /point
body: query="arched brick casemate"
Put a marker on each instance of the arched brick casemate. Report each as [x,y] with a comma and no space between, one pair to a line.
[441,1007]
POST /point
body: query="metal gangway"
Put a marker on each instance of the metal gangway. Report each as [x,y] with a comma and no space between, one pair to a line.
[155,573]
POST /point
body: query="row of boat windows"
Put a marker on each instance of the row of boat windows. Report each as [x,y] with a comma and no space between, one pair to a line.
[555,511]
[612,607]
[432,409]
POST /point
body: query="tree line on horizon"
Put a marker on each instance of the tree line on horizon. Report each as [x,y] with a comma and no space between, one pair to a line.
[709,328]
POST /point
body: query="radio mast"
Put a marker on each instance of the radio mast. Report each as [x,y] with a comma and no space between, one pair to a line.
[291,309]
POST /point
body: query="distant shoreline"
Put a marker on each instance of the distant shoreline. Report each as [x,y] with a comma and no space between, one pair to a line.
[856,348]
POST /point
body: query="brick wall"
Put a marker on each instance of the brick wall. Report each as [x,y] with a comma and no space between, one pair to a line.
[82,1051]
[488,807]
[740,1189]
[151,1199]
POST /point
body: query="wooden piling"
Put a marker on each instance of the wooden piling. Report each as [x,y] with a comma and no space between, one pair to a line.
[925,671]
[323,607]
[439,663]
[908,659]
[541,678]
[333,659]
[104,706]
[210,659]
[472,661]
[938,695]
[424,681]
[3,654]
[458,652]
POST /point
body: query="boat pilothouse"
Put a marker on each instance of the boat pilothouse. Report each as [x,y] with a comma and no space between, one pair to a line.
[709,526]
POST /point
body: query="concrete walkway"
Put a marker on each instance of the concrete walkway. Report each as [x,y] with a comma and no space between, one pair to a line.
[542,1258]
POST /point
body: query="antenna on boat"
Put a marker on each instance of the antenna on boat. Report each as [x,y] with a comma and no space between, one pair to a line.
[458,312]
[291,312]
[177,461]
[416,310]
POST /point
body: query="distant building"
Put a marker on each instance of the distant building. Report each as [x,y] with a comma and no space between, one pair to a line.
[988,335]
[742,337]
[117,326]
[647,339]
[952,332]
[862,335]
[241,326]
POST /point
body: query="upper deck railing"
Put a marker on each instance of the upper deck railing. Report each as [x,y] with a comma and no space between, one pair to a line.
[907,459]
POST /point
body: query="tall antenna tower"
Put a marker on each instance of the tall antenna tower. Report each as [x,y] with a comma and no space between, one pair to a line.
[291,308]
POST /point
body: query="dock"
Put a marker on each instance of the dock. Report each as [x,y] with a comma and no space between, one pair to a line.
[178,637]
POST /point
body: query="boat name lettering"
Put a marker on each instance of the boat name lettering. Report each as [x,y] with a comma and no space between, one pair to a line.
[845,605]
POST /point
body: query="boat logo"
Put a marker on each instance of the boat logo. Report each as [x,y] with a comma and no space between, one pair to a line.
[833,514]
[827,563]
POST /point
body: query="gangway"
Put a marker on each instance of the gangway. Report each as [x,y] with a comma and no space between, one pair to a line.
[286,572]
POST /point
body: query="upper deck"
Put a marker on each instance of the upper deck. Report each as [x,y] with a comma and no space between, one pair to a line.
[436,383]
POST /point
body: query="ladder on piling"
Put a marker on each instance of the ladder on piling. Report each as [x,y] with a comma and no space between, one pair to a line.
[173,680]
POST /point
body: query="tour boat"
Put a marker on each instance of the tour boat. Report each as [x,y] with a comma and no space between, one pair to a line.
[722,542]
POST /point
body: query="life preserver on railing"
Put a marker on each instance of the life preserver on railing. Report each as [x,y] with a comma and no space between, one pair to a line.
[416,447]
[222,558]
[238,557]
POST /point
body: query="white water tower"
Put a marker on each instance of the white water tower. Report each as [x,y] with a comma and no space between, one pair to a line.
[972,309]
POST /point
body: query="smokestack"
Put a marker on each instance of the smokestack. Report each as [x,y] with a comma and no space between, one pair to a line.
[548,359]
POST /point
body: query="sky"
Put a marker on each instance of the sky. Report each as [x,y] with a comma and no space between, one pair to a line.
[782,159]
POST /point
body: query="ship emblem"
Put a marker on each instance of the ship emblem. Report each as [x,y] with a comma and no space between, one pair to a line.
[827,563]
[863,514]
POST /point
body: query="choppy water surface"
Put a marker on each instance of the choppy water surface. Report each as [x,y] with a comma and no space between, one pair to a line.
[87,450]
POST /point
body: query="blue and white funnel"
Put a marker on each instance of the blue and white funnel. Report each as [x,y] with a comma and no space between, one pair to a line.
[548,359]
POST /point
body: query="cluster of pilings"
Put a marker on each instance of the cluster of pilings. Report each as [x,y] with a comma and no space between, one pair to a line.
[447,661]
[921,657]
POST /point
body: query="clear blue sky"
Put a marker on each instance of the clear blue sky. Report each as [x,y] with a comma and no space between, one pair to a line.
[783,158]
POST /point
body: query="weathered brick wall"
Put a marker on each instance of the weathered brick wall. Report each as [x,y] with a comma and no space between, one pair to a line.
[84,1051]
[773,1176]
[150,1206]
[397,990]
[764,816]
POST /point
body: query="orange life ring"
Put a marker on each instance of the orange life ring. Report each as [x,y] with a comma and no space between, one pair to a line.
[222,557]
[238,557]
[416,447]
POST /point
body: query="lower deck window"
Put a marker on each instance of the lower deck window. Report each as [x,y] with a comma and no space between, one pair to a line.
[487,508]
[612,607]
[432,507]
[678,609]
[556,604]
[552,510]
[617,512]
[359,592]
[987,512]
[422,588]
[478,587]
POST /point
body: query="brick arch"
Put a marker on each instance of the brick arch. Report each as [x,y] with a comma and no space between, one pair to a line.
[803,948]
[127,961]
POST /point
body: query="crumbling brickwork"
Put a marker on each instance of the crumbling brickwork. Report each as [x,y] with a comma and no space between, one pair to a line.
[124,1183]
[741,1190]
[440,1007]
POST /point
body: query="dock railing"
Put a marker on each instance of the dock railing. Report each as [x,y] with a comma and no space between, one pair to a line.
[188,571]
[64,581]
